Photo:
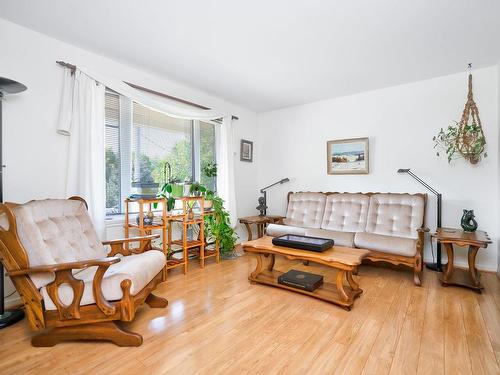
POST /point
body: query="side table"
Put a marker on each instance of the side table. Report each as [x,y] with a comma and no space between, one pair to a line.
[260,222]
[475,240]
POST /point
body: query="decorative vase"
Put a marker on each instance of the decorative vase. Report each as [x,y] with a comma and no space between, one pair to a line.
[469,224]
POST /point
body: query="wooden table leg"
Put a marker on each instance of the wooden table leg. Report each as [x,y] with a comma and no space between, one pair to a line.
[340,285]
[474,274]
[353,284]
[449,268]
[258,267]
[260,230]
[249,230]
[270,265]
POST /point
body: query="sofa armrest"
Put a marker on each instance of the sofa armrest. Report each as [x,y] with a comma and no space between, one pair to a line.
[118,246]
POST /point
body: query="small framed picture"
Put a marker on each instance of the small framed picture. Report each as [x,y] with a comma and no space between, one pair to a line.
[246,150]
[348,156]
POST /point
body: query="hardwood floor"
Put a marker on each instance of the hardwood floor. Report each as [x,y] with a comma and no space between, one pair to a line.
[217,322]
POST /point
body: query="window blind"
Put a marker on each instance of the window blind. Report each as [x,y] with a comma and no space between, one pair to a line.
[157,138]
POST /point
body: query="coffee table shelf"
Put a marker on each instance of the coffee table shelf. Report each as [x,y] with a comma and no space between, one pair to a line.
[344,260]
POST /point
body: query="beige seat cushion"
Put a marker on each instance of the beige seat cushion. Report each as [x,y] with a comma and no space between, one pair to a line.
[139,268]
[397,215]
[305,210]
[346,212]
[56,231]
[340,238]
[387,244]
[276,230]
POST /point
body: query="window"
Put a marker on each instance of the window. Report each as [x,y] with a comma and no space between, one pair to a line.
[139,141]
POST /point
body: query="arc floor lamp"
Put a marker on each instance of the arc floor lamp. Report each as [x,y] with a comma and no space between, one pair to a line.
[7,317]
[438,266]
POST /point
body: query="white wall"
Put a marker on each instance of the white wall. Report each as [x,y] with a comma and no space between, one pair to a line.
[35,155]
[400,122]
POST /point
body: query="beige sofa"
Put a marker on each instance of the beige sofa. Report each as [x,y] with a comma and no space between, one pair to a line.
[390,225]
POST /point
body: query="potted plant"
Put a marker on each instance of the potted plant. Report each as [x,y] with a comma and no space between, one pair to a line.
[166,192]
[467,142]
[196,189]
[218,228]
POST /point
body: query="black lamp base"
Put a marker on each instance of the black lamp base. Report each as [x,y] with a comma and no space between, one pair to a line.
[435,267]
[10,317]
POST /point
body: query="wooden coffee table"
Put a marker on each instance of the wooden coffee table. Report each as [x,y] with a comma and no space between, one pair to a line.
[344,259]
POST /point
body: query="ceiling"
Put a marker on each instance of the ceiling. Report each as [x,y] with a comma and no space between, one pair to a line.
[266,54]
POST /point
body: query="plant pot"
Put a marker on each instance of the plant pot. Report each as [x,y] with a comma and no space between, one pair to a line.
[177,190]
[208,204]
[190,215]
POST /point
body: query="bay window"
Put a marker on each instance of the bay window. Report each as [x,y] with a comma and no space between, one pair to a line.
[139,141]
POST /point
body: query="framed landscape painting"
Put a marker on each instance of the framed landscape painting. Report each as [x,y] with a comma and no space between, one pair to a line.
[348,156]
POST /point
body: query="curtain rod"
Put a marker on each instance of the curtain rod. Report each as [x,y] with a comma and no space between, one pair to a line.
[145,89]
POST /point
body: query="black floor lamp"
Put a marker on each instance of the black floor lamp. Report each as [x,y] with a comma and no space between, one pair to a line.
[7,317]
[438,266]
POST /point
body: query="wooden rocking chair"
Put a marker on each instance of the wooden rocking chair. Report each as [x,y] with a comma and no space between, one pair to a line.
[71,287]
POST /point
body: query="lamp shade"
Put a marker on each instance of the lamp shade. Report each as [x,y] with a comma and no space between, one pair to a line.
[8,86]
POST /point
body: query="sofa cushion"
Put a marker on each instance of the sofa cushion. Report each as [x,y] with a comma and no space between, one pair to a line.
[305,210]
[138,268]
[387,244]
[397,215]
[56,231]
[346,212]
[276,230]
[340,238]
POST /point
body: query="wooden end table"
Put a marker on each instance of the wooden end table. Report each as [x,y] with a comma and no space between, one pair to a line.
[475,240]
[260,222]
[343,259]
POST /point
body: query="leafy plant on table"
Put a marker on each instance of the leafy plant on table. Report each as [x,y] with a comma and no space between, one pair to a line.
[166,192]
[218,227]
[197,189]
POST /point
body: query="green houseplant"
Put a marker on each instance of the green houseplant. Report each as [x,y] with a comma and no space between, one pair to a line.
[196,189]
[466,142]
[218,227]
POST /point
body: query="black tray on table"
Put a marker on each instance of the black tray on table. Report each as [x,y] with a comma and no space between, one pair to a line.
[316,244]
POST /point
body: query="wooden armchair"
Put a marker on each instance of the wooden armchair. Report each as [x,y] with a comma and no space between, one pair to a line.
[71,287]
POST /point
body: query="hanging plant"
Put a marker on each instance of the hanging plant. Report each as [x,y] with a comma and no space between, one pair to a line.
[465,139]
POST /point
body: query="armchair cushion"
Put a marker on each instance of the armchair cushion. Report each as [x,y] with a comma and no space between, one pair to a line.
[56,231]
[139,268]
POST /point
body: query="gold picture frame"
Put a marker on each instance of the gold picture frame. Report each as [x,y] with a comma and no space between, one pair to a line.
[348,156]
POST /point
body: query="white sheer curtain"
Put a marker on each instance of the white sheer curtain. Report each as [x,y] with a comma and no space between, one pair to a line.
[225,167]
[81,117]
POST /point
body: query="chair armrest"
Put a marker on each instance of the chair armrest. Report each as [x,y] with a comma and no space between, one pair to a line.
[65,266]
[131,239]
[121,246]
[63,275]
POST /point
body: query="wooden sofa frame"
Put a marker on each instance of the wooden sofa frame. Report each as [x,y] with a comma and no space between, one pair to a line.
[75,322]
[415,262]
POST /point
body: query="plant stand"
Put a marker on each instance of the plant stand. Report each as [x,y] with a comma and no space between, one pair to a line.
[145,205]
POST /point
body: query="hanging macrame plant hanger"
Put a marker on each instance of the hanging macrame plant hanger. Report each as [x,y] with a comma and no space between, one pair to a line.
[470,138]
